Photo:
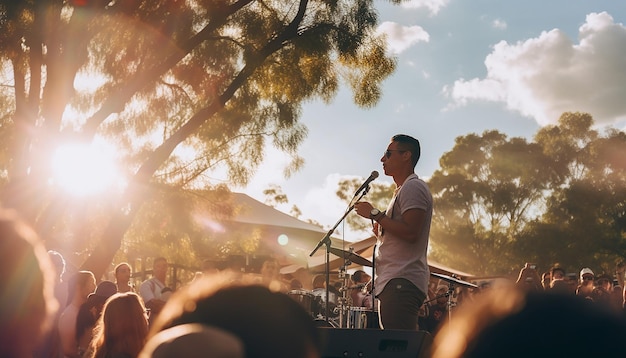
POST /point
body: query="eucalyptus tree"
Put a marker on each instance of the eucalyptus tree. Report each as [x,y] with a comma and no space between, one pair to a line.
[221,78]
[486,191]
[378,194]
[584,223]
[561,198]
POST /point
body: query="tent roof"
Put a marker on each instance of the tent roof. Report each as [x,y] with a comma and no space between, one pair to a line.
[306,236]
[252,211]
[302,237]
[365,249]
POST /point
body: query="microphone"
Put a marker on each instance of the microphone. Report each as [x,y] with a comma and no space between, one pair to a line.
[373,176]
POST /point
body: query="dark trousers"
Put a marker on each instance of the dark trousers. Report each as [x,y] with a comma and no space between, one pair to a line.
[399,305]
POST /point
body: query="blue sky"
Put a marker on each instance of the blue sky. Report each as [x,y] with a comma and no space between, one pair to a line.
[463,67]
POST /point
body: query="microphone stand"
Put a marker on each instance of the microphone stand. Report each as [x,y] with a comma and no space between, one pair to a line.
[373,278]
[449,304]
[372,317]
[327,242]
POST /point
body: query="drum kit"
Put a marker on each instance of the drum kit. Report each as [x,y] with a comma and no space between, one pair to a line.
[339,312]
[453,282]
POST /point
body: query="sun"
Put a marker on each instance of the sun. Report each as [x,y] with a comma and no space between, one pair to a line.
[86,169]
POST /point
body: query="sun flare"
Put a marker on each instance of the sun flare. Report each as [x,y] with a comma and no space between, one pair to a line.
[86,169]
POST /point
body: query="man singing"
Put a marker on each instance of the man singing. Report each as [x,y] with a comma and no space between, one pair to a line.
[402,230]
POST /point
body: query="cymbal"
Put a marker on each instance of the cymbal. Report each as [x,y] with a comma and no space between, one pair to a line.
[347,255]
[453,280]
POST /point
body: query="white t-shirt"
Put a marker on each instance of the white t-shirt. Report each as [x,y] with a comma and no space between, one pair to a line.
[397,258]
[151,289]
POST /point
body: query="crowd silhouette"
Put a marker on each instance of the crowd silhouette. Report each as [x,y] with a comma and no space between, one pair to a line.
[228,313]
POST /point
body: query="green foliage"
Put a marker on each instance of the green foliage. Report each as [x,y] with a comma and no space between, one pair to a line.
[501,202]
[274,195]
[184,89]
[378,194]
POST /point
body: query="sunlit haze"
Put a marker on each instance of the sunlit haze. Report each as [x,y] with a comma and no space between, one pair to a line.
[462,67]
[86,169]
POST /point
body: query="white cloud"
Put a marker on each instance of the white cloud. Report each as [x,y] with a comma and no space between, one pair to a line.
[432,5]
[499,24]
[465,91]
[545,76]
[399,37]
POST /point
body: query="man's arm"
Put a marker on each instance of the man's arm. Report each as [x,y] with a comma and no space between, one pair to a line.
[408,228]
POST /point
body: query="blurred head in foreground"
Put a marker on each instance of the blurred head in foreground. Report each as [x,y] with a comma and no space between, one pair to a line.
[193,340]
[509,323]
[27,303]
[269,324]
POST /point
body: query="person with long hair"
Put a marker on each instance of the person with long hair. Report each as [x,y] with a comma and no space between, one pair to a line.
[122,328]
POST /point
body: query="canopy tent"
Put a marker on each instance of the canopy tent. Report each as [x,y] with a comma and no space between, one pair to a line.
[292,240]
[365,249]
[285,237]
[433,265]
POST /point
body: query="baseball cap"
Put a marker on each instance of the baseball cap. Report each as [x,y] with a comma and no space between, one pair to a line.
[193,340]
[586,271]
[105,289]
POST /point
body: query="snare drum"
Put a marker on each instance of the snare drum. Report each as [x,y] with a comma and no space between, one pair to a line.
[319,305]
[304,298]
[362,318]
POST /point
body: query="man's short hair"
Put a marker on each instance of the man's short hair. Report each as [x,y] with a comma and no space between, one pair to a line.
[319,280]
[120,265]
[408,143]
[77,281]
[158,259]
[357,276]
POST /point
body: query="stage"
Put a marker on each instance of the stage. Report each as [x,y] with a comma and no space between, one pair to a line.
[376,343]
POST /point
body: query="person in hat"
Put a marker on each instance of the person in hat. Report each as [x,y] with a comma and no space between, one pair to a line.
[586,283]
[89,312]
